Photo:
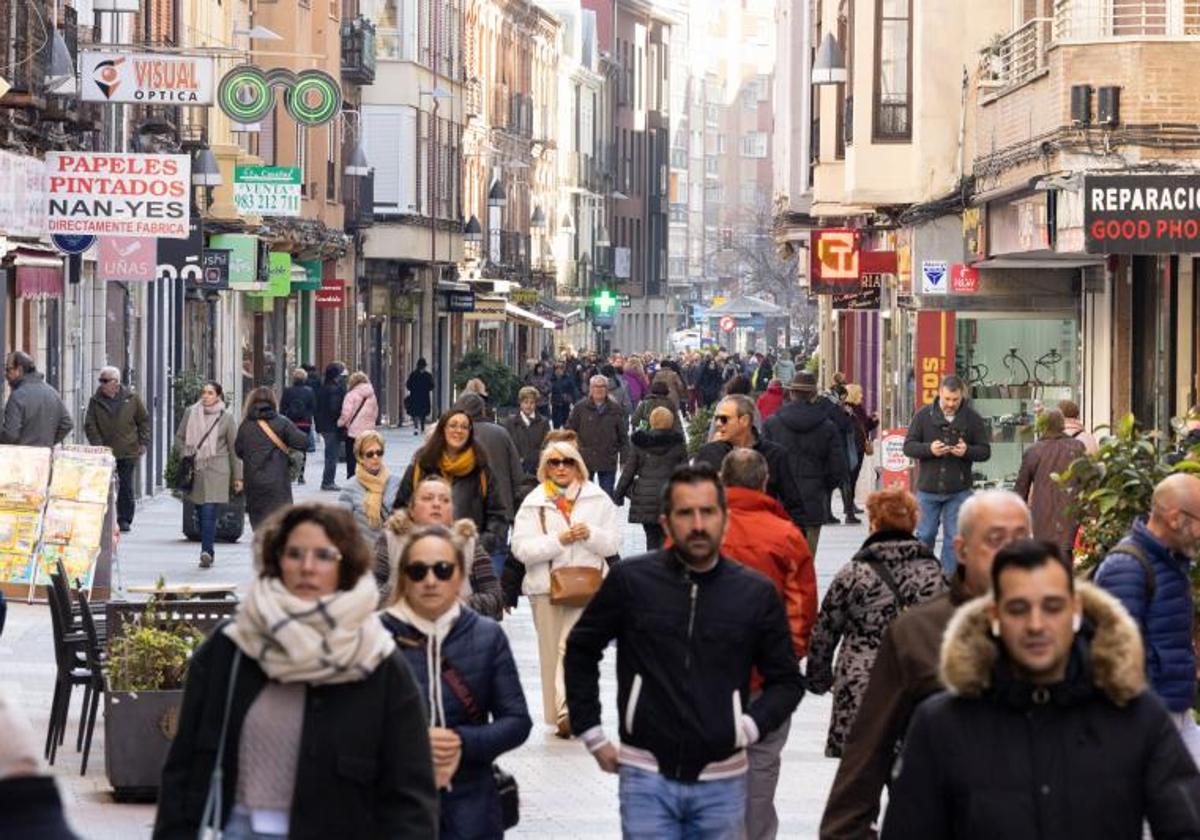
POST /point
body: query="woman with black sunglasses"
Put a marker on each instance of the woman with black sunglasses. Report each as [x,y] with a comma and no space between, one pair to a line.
[465,669]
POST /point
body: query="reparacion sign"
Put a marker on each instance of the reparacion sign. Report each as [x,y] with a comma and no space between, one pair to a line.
[115,194]
[1141,214]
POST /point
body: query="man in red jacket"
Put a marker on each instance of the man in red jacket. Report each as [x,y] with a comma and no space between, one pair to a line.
[762,536]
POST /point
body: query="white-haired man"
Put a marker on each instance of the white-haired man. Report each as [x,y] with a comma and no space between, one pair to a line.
[906,668]
[117,418]
[603,429]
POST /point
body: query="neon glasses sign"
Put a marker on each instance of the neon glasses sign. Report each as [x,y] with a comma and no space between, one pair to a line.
[247,94]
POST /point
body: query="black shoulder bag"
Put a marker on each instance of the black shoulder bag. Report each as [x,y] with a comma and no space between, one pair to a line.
[506,784]
[210,822]
[185,478]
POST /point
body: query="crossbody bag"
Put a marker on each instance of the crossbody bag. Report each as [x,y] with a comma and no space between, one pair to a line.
[185,478]
[295,456]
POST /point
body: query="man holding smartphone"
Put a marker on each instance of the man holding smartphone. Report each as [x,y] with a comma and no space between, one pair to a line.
[946,438]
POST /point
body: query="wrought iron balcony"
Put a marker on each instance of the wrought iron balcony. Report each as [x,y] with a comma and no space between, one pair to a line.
[358,198]
[358,51]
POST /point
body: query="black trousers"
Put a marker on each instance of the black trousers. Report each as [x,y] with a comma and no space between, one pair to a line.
[654,535]
[350,463]
[126,467]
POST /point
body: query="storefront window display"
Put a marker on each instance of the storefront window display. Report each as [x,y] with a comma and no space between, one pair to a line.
[1014,366]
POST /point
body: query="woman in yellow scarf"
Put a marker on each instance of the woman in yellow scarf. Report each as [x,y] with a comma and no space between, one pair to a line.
[371,493]
[452,453]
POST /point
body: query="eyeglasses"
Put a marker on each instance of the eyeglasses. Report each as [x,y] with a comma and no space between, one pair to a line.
[323,555]
[722,419]
[442,570]
[559,462]
[374,453]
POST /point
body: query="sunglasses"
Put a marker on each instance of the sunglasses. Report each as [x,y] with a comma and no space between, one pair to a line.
[374,453]
[722,419]
[104,381]
[559,462]
[442,570]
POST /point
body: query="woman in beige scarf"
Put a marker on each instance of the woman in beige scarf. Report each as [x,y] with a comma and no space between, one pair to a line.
[208,433]
[371,494]
[306,662]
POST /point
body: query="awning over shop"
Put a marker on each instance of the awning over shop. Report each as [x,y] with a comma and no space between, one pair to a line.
[486,309]
[524,316]
[39,273]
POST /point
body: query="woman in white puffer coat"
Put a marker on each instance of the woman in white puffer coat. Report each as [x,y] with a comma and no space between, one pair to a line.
[566,521]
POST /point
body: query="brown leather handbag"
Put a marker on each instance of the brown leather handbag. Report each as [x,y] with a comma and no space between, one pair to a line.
[571,586]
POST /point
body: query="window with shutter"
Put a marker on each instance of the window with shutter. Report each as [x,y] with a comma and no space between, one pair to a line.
[389,135]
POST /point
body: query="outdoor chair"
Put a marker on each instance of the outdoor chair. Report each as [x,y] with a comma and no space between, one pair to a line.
[70,658]
[95,685]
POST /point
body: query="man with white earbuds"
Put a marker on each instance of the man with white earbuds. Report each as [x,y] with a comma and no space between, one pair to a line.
[1047,729]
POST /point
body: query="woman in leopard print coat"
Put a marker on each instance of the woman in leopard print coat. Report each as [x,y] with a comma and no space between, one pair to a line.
[890,573]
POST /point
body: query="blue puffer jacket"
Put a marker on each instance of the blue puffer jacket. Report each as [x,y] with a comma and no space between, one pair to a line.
[478,650]
[1166,622]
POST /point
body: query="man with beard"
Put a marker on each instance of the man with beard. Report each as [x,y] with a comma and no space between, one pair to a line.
[690,626]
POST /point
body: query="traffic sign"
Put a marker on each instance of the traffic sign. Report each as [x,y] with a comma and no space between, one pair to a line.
[73,243]
[727,323]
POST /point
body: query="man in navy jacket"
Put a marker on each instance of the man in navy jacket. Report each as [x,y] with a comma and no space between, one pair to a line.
[1156,590]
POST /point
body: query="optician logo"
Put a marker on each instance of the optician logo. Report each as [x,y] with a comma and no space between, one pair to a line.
[107,76]
[247,94]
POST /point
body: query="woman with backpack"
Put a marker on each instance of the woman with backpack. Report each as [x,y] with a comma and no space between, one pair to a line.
[657,451]
[265,441]
[299,404]
[890,573]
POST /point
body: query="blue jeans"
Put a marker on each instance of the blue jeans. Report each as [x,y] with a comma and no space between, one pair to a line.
[607,480]
[654,807]
[207,514]
[333,456]
[940,510]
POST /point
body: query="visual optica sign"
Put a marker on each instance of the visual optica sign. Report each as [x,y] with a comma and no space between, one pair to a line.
[146,78]
[247,94]
[118,194]
[1141,214]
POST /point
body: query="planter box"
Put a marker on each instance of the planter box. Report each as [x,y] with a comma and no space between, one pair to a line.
[138,730]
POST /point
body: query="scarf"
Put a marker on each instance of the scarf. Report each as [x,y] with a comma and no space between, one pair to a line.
[435,633]
[337,638]
[562,498]
[374,486]
[200,419]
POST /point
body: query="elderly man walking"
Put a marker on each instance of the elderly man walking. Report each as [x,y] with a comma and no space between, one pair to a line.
[117,418]
[34,414]
[603,429]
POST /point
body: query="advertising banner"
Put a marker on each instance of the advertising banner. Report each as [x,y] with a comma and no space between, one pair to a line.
[267,190]
[243,260]
[127,259]
[23,199]
[833,262]
[332,294]
[935,353]
[279,276]
[181,257]
[868,296]
[215,267]
[1141,214]
[146,78]
[118,194]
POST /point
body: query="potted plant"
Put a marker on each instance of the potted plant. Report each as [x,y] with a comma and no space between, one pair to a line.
[145,670]
[502,384]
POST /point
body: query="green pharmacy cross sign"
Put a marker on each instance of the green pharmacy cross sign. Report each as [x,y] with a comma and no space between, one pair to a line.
[604,307]
[247,94]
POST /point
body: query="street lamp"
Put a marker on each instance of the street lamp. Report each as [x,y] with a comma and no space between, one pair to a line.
[357,164]
[538,220]
[206,173]
[496,196]
[472,230]
[829,67]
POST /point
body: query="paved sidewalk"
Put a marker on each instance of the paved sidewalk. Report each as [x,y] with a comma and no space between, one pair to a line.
[563,793]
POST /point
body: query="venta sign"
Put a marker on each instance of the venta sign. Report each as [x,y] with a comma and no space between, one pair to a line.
[1141,214]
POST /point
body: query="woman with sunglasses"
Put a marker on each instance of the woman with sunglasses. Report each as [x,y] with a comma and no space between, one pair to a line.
[566,521]
[314,715]
[465,669]
[431,504]
[373,490]
[452,453]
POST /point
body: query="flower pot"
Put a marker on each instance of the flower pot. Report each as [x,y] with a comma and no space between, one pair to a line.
[139,727]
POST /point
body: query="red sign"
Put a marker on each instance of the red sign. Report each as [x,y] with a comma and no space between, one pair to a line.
[895,464]
[935,353]
[727,323]
[964,280]
[331,295]
[834,261]
[127,259]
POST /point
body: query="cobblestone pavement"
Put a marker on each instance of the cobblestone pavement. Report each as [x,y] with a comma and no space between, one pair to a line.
[563,793]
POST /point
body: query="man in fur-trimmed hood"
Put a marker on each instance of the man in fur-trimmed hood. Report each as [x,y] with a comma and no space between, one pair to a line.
[1047,729]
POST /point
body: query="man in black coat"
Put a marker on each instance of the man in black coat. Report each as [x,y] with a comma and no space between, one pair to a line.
[329,409]
[690,626]
[1047,730]
[816,457]
[946,437]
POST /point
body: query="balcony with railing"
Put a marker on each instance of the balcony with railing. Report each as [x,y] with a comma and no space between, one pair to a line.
[1013,59]
[358,197]
[1092,20]
[358,51]
[473,98]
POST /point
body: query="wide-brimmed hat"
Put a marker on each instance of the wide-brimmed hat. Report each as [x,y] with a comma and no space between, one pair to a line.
[803,381]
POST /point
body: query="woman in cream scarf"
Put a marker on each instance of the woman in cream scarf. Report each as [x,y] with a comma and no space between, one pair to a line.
[371,494]
[208,433]
[305,662]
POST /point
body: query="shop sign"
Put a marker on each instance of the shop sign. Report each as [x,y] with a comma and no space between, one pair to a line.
[279,275]
[267,190]
[331,295]
[621,263]
[181,257]
[1141,214]
[934,279]
[903,262]
[117,194]
[146,78]
[1019,225]
[973,230]
[23,199]
[964,280]
[127,259]
[243,260]
[834,262]
[625,301]
[935,353]
[524,297]
[313,270]
[895,463]
[460,301]
[72,244]
[868,296]
[404,307]
[247,94]
[214,265]
[379,299]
